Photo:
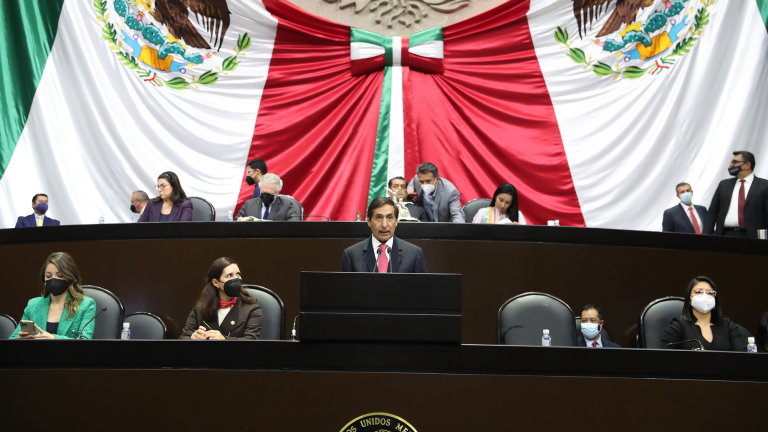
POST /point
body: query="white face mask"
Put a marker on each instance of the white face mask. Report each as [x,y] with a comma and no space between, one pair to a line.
[686,197]
[703,303]
[428,188]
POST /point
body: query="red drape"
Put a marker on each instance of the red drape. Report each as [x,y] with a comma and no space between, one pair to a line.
[487,120]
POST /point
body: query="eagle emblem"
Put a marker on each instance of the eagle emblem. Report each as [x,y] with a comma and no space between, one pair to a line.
[636,38]
[171,43]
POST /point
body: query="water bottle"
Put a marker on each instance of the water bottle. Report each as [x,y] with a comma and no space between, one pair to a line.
[229,216]
[550,223]
[358,217]
[101,219]
[546,339]
[751,347]
[557,222]
[126,333]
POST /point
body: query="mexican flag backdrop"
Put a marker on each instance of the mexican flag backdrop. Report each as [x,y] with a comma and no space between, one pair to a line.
[593,109]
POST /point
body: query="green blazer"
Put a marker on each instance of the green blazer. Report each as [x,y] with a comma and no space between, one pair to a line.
[37,311]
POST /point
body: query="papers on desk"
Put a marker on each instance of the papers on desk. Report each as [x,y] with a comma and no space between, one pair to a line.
[253,219]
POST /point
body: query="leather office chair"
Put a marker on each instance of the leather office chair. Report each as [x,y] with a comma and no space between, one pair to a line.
[7,326]
[603,332]
[744,332]
[202,210]
[272,312]
[471,208]
[655,318]
[110,322]
[145,325]
[522,318]
[288,197]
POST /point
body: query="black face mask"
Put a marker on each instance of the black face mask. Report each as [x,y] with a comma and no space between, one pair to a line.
[734,170]
[56,286]
[267,199]
[232,287]
[133,208]
[250,180]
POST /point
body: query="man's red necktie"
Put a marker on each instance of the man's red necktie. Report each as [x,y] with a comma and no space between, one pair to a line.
[383,260]
[594,344]
[695,222]
[742,199]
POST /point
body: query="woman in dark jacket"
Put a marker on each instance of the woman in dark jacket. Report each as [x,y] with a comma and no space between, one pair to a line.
[702,321]
[224,309]
[171,204]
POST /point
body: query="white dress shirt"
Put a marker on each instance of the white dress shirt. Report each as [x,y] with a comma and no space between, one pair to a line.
[732,218]
[223,314]
[695,214]
[377,249]
[599,341]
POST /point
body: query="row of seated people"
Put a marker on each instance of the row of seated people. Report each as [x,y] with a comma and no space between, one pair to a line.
[225,310]
[739,207]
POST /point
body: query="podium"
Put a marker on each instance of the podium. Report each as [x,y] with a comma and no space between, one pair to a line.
[380,307]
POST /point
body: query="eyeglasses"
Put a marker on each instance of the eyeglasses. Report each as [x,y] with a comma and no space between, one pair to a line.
[593,321]
[161,187]
[736,162]
[709,293]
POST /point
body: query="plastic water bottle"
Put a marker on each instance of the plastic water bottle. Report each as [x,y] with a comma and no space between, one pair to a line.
[229,216]
[550,223]
[101,219]
[557,222]
[546,339]
[751,347]
[358,217]
[126,333]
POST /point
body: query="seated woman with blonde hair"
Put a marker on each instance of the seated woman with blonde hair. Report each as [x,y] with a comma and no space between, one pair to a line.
[63,308]
[503,209]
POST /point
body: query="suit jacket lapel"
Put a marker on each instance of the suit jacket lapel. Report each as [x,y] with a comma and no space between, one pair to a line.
[257,204]
[232,316]
[273,208]
[438,196]
[40,314]
[752,189]
[64,322]
[396,255]
[369,255]
[685,215]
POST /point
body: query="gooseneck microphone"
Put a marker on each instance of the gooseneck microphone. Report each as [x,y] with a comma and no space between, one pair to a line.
[293,332]
[79,334]
[690,340]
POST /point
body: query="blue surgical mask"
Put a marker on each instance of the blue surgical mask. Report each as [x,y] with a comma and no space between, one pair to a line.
[686,197]
[590,330]
[42,207]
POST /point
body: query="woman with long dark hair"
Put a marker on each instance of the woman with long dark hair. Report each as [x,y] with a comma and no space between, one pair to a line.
[503,209]
[63,308]
[171,204]
[224,309]
[702,321]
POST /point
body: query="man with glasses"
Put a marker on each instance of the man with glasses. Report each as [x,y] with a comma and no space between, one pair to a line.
[139,201]
[740,205]
[591,326]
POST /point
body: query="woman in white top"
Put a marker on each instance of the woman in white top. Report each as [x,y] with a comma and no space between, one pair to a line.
[224,309]
[503,209]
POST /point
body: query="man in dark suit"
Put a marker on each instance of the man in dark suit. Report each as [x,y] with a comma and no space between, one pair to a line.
[591,325]
[685,217]
[38,218]
[439,198]
[383,252]
[740,206]
[269,205]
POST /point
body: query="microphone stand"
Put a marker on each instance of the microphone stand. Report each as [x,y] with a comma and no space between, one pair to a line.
[701,345]
[80,333]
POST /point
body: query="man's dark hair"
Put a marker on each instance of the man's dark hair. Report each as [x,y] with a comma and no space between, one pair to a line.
[426,168]
[681,184]
[747,156]
[389,184]
[379,203]
[595,307]
[717,312]
[258,164]
[178,194]
[34,198]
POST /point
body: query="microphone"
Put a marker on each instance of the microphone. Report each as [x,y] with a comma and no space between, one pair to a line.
[293,332]
[690,340]
[318,216]
[89,321]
